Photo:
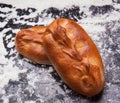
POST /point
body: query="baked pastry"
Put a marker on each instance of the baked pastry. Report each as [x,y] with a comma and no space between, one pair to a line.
[74,56]
[71,51]
[29,43]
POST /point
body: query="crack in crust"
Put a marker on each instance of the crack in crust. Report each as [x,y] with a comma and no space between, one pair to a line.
[60,36]
[88,78]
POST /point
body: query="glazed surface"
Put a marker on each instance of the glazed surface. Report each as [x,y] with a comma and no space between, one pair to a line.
[26,78]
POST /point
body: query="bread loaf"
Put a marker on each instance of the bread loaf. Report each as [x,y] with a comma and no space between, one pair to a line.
[74,56]
[29,43]
[66,46]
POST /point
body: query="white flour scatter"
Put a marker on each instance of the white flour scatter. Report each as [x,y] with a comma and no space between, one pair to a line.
[23,81]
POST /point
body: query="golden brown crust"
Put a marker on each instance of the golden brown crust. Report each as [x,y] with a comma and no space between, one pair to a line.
[71,51]
[74,56]
[29,43]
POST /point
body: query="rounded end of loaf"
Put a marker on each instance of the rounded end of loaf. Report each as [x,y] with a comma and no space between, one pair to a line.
[92,83]
[28,43]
